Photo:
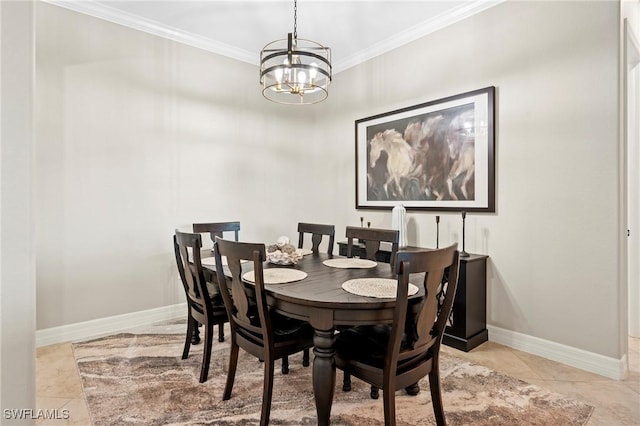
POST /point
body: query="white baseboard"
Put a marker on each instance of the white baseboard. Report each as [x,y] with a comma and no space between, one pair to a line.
[605,366]
[105,326]
[595,363]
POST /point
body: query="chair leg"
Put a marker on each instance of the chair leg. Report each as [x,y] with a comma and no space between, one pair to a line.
[285,365]
[413,390]
[206,355]
[436,397]
[195,339]
[375,392]
[389,403]
[187,340]
[231,373]
[346,382]
[267,392]
[305,358]
[220,332]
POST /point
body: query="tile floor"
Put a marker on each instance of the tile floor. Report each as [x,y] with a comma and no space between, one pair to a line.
[616,403]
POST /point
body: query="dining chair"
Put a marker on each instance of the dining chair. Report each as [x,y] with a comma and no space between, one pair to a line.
[217,229]
[396,356]
[204,302]
[254,327]
[372,238]
[317,231]
[214,229]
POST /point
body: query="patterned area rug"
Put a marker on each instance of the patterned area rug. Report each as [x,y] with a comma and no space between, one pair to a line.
[140,379]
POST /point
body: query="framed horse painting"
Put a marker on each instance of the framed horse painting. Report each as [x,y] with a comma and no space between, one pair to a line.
[438,155]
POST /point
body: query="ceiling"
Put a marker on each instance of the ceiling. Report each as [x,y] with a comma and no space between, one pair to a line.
[355,30]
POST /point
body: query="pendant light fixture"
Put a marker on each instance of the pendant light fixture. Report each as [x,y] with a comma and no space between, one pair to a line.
[295,71]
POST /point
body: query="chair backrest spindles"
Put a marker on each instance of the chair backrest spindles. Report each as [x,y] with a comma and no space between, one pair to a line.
[441,278]
[217,229]
[317,231]
[242,306]
[372,238]
[187,248]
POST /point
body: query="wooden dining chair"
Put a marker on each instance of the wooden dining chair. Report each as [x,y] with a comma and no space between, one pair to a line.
[214,229]
[204,302]
[217,229]
[396,356]
[254,327]
[317,231]
[372,238]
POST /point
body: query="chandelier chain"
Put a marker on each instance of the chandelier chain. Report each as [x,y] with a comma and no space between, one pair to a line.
[295,19]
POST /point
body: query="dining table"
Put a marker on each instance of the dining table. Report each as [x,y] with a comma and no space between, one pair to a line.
[320,299]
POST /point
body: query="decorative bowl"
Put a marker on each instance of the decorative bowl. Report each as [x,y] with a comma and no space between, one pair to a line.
[283,253]
[281,258]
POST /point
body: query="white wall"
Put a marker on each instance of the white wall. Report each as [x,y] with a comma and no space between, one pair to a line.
[17,252]
[135,132]
[137,136]
[553,242]
[630,70]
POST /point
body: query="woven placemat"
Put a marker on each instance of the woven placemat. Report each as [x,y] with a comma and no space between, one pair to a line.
[277,275]
[304,251]
[350,263]
[375,287]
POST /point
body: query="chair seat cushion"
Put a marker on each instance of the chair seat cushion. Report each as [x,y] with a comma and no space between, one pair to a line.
[219,310]
[288,327]
[214,293]
[284,328]
[366,344]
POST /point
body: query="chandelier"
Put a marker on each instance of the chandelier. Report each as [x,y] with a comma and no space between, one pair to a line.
[295,71]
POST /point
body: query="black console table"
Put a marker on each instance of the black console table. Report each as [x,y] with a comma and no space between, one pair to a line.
[469,314]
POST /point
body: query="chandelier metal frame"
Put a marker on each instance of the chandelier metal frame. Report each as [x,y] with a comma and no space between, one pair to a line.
[295,71]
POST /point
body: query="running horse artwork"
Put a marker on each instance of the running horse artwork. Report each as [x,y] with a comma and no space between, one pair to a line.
[432,159]
[429,159]
[398,165]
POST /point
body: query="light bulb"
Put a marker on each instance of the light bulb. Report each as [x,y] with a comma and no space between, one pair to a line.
[278,74]
[287,70]
[313,72]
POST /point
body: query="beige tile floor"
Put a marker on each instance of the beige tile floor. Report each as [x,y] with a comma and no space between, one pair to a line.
[616,402]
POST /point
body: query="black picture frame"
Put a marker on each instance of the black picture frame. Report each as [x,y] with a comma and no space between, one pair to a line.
[435,156]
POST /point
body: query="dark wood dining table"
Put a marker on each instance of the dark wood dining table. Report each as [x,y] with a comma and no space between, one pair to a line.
[320,300]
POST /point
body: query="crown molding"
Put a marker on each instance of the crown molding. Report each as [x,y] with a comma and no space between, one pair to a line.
[417,31]
[107,13]
[101,11]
